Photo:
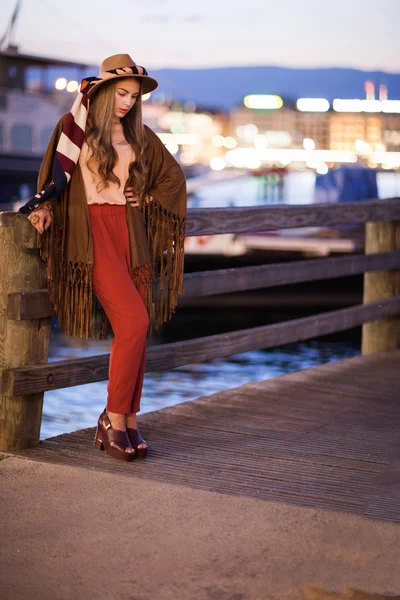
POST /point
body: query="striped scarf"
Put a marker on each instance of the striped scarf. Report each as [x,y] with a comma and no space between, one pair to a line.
[72,137]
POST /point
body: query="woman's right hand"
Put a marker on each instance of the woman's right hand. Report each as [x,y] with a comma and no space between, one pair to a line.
[44,221]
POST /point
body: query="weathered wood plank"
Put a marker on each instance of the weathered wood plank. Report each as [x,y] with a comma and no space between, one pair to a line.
[24,234]
[21,343]
[272,440]
[261,218]
[267,218]
[383,334]
[66,373]
[222,281]
[29,305]
[7,218]
[35,305]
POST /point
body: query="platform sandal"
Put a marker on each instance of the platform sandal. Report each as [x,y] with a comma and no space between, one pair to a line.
[135,439]
[113,441]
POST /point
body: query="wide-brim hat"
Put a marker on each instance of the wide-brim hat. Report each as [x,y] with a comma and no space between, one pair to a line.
[118,65]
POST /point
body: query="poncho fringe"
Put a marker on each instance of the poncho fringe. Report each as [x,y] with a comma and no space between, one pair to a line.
[70,283]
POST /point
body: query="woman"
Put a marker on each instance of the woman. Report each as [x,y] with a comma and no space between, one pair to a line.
[111,211]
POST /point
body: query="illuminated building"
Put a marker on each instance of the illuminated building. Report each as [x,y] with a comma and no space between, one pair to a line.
[189,132]
[312,132]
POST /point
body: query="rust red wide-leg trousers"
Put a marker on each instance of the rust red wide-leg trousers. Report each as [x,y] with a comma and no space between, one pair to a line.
[123,304]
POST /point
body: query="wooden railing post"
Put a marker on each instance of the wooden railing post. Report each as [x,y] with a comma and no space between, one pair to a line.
[383,334]
[22,341]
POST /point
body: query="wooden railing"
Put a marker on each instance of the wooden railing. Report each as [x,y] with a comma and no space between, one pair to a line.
[26,310]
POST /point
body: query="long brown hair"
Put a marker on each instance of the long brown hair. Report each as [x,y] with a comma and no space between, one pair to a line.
[103,155]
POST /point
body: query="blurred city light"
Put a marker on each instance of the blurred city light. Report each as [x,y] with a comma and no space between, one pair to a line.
[358,105]
[61,83]
[278,138]
[265,101]
[247,156]
[260,141]
[322,169]
[218,141]
[369,88]
[247,132]
[177,128]
[341,105]
[173,148]
[198,120]
[72,86]
[312,164]
[390,106]
[254,163]
[383,92]
[230,142]
[188,158]
[392,158]
[308,144]
[234,159]
[217,163]
[251,131]
[182,139]
[360,146]
[371,105]
[312,104]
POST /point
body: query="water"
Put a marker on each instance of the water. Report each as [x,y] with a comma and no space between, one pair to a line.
[298,189]
[78,407]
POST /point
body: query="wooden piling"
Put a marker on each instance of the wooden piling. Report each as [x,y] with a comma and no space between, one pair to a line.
[22,341]
[383,334]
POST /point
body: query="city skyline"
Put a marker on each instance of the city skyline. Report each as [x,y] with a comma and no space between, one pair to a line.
[293,34]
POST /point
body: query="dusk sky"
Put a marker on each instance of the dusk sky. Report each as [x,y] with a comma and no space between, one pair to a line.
[172,33]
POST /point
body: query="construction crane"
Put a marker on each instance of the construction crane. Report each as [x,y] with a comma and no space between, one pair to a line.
[6,41]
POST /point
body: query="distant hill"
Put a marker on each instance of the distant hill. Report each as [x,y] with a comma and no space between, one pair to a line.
[225,88]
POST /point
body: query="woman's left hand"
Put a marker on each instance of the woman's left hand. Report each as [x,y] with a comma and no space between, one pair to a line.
[133,201]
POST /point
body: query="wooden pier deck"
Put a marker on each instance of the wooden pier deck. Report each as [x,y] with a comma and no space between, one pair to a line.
[326,437]
[286,489]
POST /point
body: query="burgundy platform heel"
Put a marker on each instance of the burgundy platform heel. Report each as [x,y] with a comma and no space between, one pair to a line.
[113,441]
[135,439]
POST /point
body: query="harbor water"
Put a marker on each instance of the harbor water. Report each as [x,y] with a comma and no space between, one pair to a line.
[70,409]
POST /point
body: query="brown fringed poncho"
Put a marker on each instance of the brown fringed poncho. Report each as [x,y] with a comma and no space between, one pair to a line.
[156,237]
